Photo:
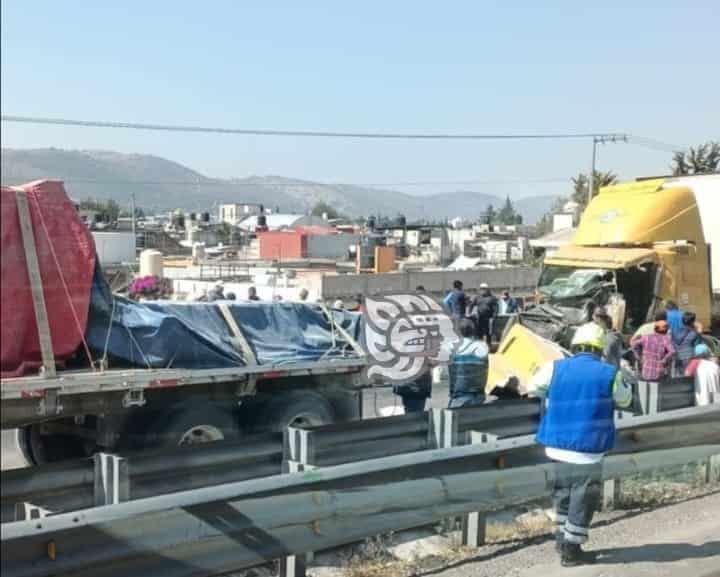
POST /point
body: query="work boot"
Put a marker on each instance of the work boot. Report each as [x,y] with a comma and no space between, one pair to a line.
[572,555]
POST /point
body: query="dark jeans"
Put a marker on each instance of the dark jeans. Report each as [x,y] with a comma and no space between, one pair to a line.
[483,328]
[576,496]
[466,400]
[413,404]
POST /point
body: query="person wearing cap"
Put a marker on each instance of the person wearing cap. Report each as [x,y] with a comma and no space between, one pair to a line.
[338,304]
[484,309]
[577,429]
[706,372]
[654,351]
[614,346]
[217,292]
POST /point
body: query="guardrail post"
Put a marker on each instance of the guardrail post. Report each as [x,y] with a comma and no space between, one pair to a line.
[299,452]
[435,428]
[112,482]
[712,469]
[648,392]
[474,525]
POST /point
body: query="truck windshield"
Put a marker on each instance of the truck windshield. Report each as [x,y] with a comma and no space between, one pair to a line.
[558,283]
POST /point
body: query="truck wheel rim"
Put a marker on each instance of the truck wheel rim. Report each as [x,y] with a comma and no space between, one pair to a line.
[201,434]
[306,420]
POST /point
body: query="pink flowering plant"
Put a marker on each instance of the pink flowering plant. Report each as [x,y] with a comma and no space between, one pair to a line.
[150,287]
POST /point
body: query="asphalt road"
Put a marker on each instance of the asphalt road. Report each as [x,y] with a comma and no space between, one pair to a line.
[681,540]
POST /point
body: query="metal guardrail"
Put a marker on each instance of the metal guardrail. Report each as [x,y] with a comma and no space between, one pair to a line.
[80,484]
[230,527]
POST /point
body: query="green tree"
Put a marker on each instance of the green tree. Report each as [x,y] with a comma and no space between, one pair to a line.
[490,216]
[108,210]
[580,185]
[507,214]
[703,159]
[323,207]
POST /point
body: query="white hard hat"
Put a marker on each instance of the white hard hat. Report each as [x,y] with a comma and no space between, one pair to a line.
[589,334]
[484,285]
[338,304]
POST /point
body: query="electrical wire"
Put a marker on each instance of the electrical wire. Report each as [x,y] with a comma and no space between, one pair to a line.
[307,133]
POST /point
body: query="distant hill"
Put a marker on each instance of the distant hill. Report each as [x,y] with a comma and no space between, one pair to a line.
[160,184]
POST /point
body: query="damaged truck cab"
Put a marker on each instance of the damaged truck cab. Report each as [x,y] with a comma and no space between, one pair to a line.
[638,245]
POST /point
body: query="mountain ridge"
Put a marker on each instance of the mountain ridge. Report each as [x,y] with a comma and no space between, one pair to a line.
[162,184]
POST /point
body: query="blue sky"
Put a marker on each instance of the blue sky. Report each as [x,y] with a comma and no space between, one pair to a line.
[644,67]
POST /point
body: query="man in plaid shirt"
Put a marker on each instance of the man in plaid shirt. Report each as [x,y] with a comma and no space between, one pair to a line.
[654,351]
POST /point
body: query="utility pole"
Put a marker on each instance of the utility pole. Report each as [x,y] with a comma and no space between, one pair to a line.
[591,177]
[132,209]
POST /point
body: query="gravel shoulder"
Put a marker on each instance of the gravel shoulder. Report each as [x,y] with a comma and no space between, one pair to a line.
[681,540]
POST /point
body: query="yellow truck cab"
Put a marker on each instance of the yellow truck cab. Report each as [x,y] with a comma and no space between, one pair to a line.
[639,244]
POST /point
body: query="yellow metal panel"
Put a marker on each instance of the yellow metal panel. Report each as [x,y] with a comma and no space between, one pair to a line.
[600,257]
[521,354]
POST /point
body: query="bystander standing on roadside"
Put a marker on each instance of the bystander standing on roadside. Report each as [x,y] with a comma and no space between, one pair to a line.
[484,310]
[456,302]
[468,368]
[577,429]
[674,317]
[706,372]
[252,294]
[414,394]
[685,341]
[654,352]
[614,346]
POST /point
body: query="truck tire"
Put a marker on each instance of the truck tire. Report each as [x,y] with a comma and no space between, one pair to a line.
[190,425]
[297,408]
[39,449]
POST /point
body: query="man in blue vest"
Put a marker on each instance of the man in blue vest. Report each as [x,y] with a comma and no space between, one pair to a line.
[468,368]
[577,430]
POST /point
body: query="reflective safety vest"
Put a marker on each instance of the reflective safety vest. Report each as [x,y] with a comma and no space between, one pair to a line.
[580,409]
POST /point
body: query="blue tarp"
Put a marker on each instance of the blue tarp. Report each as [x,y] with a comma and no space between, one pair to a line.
[170,334]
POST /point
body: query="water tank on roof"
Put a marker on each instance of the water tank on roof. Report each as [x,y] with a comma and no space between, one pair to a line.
[193,216]
[205,217]
[370,223]
[262,222]
[400,220]
[178,220]
[151,263]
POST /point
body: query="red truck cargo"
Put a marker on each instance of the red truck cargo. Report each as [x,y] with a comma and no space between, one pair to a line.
[66,258]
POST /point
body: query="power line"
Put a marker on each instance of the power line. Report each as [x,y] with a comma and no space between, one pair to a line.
[308,133]
[654,144]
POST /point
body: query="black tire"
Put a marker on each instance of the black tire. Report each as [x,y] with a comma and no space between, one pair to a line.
[297,408]
[40,449]
[193,424]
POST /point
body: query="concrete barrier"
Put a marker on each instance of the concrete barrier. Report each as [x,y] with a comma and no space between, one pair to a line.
[519,280]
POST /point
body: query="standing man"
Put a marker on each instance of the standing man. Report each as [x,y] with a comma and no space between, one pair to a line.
[655,352]
[485,309]
[507,304]
[468,369]
[456,302]
[577,430]
[303,294]
[415,393]
[674,317]
[614,345]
